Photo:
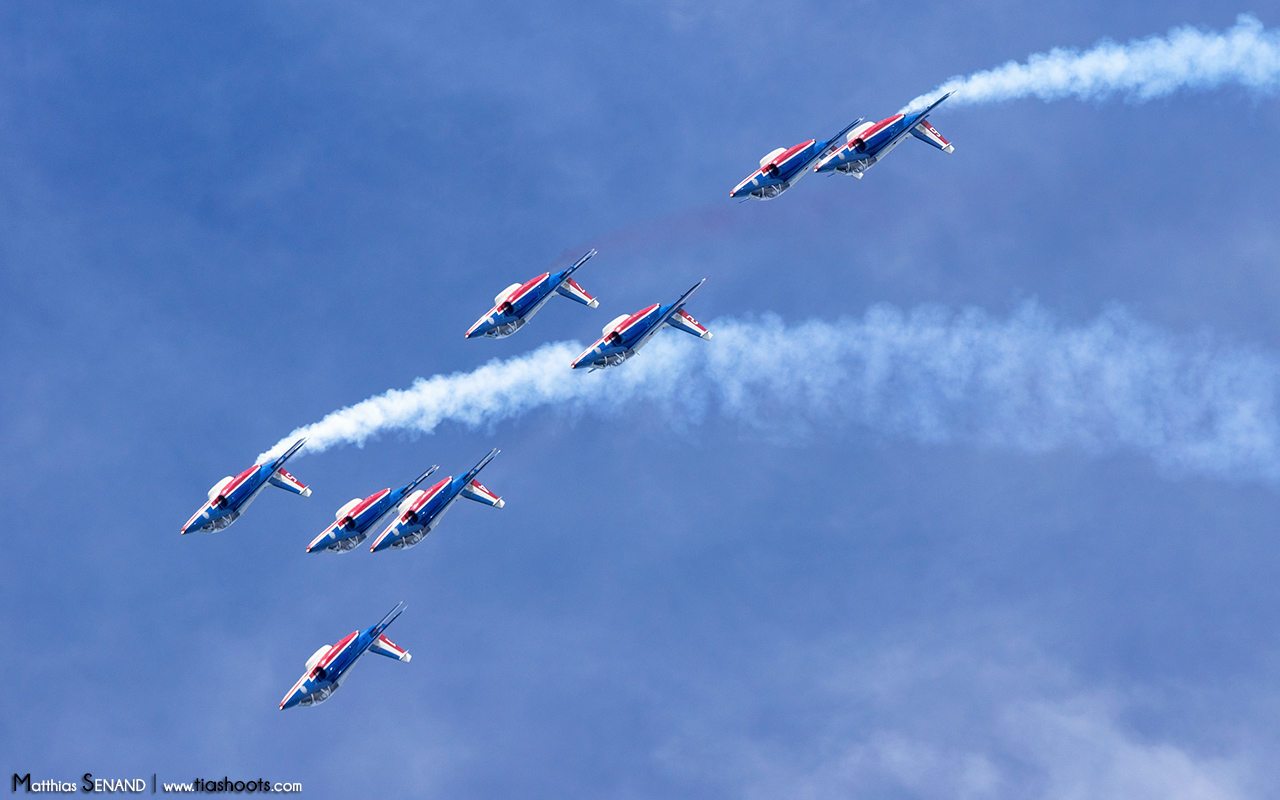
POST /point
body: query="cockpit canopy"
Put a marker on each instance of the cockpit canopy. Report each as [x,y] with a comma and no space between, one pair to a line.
[317,655]
[771,156]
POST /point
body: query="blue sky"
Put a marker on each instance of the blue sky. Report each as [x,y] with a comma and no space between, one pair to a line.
[221,224]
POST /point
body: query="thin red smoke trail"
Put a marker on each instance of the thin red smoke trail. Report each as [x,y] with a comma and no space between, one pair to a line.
[670,230]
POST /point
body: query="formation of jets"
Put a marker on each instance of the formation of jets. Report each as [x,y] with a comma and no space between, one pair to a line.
[415,512]
[852,151]
[352,522]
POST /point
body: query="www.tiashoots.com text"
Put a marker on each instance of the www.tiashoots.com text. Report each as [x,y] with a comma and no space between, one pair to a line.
[88,783]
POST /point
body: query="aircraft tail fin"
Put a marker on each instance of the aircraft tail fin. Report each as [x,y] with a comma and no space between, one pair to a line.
[377,630]
[569,287]
[928,134]
[293,448]
[836,141]
[934,105]
[283,480]
[385,647]
[683,321]
[477,491]
[684,298]
[483,462]
[407,489]
[580,262]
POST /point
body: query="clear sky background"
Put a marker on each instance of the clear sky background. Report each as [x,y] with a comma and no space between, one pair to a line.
[223,222]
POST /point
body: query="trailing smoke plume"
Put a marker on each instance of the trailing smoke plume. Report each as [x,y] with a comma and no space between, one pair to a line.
[1024,383]
[1143,69]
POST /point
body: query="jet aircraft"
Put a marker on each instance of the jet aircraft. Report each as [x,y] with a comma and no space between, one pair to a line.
[872,141]
[421,511]
[229,497]
[352,522]
[780,169]
[517,303]
[328,666]
[624,337]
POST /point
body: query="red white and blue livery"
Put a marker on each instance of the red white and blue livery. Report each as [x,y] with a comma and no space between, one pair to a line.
[780,169]
[516,304]
[422,510]
[624,337]
[229,497]
[868,143]
[329,666]
[352,522]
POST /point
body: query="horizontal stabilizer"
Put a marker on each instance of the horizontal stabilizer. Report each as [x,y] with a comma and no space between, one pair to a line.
[570,289]
[929,135]
[385,647]
[282,479]
[681,320]
[477,491]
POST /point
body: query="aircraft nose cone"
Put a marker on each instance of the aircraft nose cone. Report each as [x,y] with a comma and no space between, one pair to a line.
[480,328]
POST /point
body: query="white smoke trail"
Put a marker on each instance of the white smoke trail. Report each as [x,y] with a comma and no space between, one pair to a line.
[1143,69]
[932,375]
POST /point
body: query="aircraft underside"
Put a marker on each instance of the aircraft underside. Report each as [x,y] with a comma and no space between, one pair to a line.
[318,696]
[505,329]
[343,545]
[855,168]
[219,523]
[769,192]
[612,360]
[410,540]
